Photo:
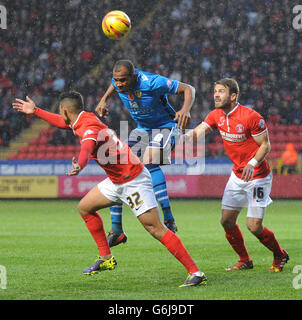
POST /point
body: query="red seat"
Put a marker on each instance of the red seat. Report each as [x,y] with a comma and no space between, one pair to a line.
[31,155]
[13,156]
[293,128]
[50,155]
[42,148]
[43,140]
[23,149]
[69,148]
[61,148]
[274,155]
[50,149]
[34,141]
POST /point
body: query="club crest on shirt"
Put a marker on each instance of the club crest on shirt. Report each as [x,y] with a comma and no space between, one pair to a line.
[138,93]
[239,128]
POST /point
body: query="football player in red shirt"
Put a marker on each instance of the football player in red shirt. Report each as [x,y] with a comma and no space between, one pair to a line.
[246,142]
[128,181]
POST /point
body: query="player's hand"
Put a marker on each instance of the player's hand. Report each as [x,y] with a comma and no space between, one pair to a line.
[76,168]
[27,107]
[247,173]
[183,119]
[101,109]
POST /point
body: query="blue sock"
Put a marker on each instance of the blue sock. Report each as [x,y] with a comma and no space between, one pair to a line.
[160,190]
[116,218]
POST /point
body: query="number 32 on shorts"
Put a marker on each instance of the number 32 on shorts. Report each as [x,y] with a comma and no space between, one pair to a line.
[134,200]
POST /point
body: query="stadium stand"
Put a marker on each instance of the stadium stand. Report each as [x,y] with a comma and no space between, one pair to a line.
[198,42]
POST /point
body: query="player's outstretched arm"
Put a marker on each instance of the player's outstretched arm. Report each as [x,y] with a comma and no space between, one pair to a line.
[183,115]
[192,136]
[25,106]
[101,109]
[29,107]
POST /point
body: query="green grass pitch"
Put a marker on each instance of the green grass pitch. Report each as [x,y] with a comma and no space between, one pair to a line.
[45,246]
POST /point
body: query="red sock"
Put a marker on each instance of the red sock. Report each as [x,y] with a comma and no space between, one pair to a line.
[173,243]
[95,226]
[235,238]
[268,239]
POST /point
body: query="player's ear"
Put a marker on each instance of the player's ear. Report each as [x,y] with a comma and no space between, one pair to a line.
[63,110]
[233,97]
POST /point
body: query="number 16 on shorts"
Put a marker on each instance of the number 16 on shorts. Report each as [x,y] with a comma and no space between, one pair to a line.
[258,193]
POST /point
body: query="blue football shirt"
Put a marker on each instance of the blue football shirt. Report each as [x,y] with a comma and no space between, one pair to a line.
[148,103]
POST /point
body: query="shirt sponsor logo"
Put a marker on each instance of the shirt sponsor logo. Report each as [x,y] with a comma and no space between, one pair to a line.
[232,136]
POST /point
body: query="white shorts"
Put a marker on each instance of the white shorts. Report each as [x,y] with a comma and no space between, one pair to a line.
[255,195]
[138,193]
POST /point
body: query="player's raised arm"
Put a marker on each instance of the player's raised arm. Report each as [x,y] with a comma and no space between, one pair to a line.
[264,148]
[183,115]
[101,109]
[28,106]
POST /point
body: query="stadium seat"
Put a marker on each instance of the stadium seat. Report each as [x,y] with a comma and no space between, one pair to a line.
[31,155]
[13,156]
[42,148]
[293,129]
[280,137]
[50,149]
[216,148]
[43,140]
[69,148]
[50,155]
[34,141]
[23,149]
[61,148]
[274,155]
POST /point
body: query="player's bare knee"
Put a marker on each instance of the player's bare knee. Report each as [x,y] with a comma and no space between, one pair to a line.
[155,230]
[255,227]
[227,223]
[81,209]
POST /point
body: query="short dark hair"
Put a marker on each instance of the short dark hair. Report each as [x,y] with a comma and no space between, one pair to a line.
[75,98]
[231,83]
[124,63]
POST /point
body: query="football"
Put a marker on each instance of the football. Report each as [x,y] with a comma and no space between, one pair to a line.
[116,25]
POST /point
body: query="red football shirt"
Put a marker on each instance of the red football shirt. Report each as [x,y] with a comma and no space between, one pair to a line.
[114,156]
[237,129]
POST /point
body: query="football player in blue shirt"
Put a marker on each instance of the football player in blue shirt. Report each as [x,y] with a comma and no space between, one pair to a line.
[145,96]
